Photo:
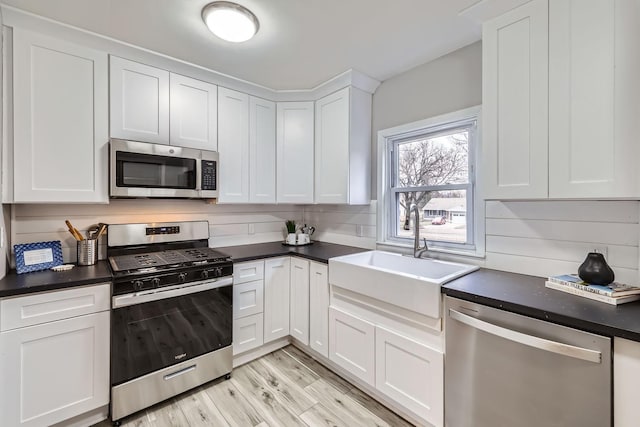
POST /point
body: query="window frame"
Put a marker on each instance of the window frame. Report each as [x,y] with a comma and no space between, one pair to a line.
[387,218]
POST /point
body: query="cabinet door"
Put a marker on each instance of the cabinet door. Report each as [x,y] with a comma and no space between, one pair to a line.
[593,98]
[139,102]
[247,333]
[248,298]
[515,103]
[399,361]
[626,377]
[276,298]
[299,301]
[332,148]
[352,344]
[60,144]
[295,152]
[233,145]
[262,151]
[319,308]
[193,112]
[54,371]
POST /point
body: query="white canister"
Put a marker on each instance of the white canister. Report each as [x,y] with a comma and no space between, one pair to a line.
[291,238]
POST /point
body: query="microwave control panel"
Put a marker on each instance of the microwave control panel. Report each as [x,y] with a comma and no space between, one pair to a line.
[208,175]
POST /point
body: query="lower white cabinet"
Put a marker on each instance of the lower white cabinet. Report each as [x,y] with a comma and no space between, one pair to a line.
[410,373]
[299,302]
[352,344]
[319,308]
[276,298]
[54,371]
[248,299]
[626,376]
[248,333]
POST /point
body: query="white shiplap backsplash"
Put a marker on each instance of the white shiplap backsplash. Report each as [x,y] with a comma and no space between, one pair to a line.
[543,238]
[343,224]
[229,224]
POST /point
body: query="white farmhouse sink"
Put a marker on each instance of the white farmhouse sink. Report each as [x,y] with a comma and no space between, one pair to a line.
[410,283]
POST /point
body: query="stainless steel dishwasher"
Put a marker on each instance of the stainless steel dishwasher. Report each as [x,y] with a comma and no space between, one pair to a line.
[507,370]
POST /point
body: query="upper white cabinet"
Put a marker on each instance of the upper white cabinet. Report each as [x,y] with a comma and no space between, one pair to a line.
[593,98]
[193,113]
[139,102]
[262,150]
[60,121]
[343,147]
[295,151]
[515,103]
[233,145]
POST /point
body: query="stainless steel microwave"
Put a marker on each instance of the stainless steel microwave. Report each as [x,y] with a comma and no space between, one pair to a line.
[142,169]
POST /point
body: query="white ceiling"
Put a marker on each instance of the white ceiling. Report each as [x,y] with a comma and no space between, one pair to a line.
[301,43]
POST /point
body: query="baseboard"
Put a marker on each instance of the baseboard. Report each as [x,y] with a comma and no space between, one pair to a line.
[248,356]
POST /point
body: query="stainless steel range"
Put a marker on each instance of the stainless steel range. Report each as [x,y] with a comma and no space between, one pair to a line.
[171,326]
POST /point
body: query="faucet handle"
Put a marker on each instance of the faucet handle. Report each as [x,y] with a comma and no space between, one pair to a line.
[424,239]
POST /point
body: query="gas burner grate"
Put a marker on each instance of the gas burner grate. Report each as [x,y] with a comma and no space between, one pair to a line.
[171,258]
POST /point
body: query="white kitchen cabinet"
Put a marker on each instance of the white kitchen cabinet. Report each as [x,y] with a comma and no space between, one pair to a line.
[193,113]
[248,298]
[295,151]
[399,362]
[515,103]
[299,300]
[343,147]
[54,370]
[139,101]
[262,150]
[233,145]
[248,271]
[319,308]
[248,333]
[60,121]
[352,344]
[593,98]
[626,376]
[276,298]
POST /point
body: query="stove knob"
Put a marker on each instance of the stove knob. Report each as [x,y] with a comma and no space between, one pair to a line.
[182,277]
[218,272]
[204,274]
[137,285]
[156,282]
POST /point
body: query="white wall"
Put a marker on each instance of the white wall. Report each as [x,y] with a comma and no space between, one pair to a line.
[229,224]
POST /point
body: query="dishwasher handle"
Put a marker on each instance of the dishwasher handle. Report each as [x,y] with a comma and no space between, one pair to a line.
[529,340]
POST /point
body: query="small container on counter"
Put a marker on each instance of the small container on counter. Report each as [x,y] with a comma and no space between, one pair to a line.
[87,250]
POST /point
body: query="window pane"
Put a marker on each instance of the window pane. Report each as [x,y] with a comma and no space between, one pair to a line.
[434,160]
[443,215]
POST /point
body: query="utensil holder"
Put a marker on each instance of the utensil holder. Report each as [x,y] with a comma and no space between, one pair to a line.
[87,251]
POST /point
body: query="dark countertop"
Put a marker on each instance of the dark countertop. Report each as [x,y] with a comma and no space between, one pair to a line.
[47,280]
[528,296]
[318,251]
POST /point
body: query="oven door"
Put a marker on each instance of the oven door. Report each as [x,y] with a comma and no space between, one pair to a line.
[154,330]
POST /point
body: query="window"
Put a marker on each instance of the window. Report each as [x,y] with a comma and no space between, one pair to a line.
[431,164]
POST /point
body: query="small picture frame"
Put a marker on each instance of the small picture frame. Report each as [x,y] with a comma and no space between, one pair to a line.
[37,256]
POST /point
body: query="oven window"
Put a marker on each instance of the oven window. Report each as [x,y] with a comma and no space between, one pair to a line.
[154,335]
[151,171]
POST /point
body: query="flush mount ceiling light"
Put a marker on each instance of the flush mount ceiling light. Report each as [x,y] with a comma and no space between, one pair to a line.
[230,21]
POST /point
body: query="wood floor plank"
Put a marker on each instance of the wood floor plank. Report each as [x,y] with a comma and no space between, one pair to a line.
[256,390]
[377,408]
[336,381]
[292,368]
[200,410]
[233,405]
[136,420]
[289,393]
[166,414]
[343,406]
[319,416]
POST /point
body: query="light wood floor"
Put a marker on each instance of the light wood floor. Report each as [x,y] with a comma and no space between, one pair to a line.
[284,388]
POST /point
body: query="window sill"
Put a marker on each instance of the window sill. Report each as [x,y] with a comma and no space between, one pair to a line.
[432,250]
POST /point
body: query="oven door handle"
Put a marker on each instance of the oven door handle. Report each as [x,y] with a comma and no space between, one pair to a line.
[168,292]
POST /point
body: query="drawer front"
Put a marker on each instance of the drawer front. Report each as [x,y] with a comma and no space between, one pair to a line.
[248,299]
[248,272]
[18,312]
[248,333]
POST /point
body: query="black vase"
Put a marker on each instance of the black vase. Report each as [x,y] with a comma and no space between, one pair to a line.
[595,270]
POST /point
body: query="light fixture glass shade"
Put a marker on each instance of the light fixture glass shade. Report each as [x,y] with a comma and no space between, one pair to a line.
[230,21]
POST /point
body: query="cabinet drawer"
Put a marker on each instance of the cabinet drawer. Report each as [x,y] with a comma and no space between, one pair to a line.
[248,299]
[42,307]
[248,272]
[248,333]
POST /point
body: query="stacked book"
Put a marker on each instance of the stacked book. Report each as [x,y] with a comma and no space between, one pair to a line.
[614,293]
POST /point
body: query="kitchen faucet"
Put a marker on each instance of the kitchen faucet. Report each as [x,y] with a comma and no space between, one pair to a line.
[418,250]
